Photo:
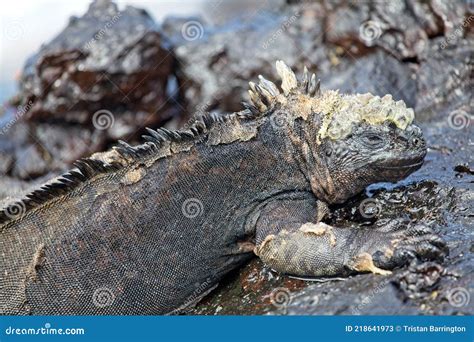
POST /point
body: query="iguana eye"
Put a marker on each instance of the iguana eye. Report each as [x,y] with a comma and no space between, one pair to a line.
[373,140]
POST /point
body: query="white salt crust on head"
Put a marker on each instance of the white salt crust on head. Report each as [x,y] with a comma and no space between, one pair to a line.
[340,112]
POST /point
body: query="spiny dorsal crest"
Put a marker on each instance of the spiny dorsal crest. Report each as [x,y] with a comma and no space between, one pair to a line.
[339,112]
[265,93]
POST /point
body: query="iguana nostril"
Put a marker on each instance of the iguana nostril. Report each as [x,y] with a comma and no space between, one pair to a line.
[416,142]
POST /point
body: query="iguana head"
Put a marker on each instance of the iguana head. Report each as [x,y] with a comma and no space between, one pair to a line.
[347,142]
[371,153]
[364,139]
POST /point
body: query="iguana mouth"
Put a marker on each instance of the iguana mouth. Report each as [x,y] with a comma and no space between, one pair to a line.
[405,166]
[412,162]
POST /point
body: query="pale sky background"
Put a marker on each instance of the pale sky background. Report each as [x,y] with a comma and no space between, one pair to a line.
[26,24]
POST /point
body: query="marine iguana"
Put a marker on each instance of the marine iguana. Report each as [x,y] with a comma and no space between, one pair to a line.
[153,228]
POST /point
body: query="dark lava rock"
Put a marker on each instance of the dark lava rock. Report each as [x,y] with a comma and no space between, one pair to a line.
[464,169]
[106,76]
[444,76]
[374,47]
[400,27]
[377,73]
[217,62]
[419,280]
[31,150]
[106,59]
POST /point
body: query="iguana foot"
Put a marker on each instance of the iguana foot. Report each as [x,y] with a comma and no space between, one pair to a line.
[417,241]
[320,250]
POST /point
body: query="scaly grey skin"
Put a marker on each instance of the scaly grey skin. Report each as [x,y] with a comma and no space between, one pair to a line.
[151,229]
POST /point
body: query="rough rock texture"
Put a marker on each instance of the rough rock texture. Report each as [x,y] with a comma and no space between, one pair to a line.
[106,76]
[308,33]
[218,61]
[357,46]
[106,59]
[30,150]
[444,78]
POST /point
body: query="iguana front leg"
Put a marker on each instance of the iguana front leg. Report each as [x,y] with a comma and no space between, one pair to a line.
[294,243]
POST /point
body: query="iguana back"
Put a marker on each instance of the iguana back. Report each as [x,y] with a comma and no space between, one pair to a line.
[146,236]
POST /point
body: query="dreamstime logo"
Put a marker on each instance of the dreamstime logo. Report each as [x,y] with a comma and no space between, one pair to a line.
[101,33]
[370,31]
[283,27]
[103,119]
[203,109]
[13,30]
[458,297]
[15,210]
[366,300]
[457,33]
[103,297]
[21,110]
[370,208]
[199,291]
[278,121]
[192,208]
[459,119]
[192,30]
[280,297]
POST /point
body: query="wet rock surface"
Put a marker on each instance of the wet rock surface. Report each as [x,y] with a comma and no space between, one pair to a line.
[31,150]
[420,52]
[444,79]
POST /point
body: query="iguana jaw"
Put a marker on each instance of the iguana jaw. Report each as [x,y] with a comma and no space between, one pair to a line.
[398,169]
